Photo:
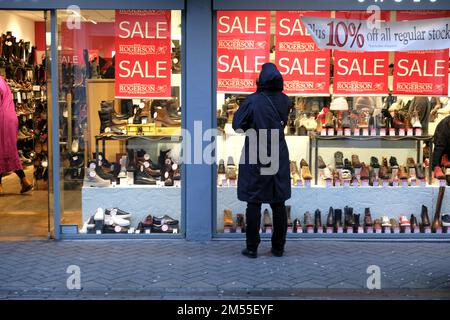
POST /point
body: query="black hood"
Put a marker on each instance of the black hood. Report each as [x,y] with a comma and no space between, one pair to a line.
[270,78]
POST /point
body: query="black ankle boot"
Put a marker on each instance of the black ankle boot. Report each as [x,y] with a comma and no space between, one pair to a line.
[424,216]
[105,120]
[338,218]
[330,218]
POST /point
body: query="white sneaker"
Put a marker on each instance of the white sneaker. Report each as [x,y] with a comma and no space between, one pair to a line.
[120,222]
[385,221]
[99,215]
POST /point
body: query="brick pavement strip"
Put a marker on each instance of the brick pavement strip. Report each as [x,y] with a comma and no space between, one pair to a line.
[154,269]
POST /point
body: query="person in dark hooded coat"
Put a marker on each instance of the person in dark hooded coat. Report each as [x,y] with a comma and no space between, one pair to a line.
[264,174]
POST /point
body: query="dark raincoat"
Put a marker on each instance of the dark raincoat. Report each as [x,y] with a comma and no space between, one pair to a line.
[256,112]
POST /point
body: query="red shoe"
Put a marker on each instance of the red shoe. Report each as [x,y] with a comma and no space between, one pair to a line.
[445,162]
[438,174]
[404,222]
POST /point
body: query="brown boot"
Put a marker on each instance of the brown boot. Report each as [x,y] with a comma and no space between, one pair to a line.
[364,172]
[355,161]
[162,119]
[402,173]
[26,185]
[306,174]
[227,218]
[383,174]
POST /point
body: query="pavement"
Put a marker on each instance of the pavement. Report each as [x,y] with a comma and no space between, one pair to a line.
[179,269]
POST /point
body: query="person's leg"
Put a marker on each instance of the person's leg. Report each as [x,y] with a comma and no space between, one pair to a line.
[26,184]
[279,227]
[253,217]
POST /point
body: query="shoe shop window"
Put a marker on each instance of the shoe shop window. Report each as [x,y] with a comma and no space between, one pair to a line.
[360,126]
[120,122]
[24,134]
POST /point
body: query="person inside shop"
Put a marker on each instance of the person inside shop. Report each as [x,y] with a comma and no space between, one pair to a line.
[441,139]
[9,128]
[268,108]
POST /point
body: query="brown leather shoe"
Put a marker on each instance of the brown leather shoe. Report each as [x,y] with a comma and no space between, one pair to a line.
[227,218]
[303,163]
[355,161]
[367,218]
[377,224]
[364,172]
[162,119]
[383,174]
[410,163]
[320,163]
[306,173]
[402,175]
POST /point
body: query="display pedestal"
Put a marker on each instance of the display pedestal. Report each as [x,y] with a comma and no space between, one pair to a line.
[138,200]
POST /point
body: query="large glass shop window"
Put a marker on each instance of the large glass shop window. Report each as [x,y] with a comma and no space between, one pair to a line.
[360,129]
[120,121]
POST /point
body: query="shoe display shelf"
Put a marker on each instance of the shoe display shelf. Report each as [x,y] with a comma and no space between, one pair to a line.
[126,138]
[382,201]
[138,200]
[366,142]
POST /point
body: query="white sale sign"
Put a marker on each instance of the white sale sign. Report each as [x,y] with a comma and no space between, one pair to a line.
[359,35]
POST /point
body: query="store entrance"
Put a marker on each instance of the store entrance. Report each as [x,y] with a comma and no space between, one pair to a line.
[25,172]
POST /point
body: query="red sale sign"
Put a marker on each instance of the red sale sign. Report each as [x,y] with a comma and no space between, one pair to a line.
[421,72]
[143,50]
[305,67]
[361,73]
[243,46]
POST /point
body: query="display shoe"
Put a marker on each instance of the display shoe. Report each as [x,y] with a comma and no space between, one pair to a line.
[377,224]
[413,222]
[446,220]
[88,226]
[221,168]
[317,219]
[227,218]
[424,217]
[402,173]
[338,218]
[394,223]
[345,122]
[330,217]
[267,220]
[383,174]
[240,223]
[438,173]
[338,159]
[297,225]
[117,212]
[250,253]
[100,172]
[393,162]
[364,172]
[346,174]
[163,119]
[166,219]
[308,221]
[357,218]
[148,169]
[410,163]
[355,161]
[294,172]
[374,162]
[385,222]
[26,185]
[114,229]
[116,220]
[437,224]
[231,169]
[445,162]
[320,163]
[306,173]
[349,220]
[420,172]
[288,213]
[99,218]
[328,173]
[329,120]
[92,179]
[367,218]
[143,178]
[404,222]
[148,221]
